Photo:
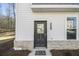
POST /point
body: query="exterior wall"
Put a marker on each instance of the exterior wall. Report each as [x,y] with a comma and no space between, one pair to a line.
[72,44]
[24,25]
[58,20]
[24,45]
[56,37]
[24,22]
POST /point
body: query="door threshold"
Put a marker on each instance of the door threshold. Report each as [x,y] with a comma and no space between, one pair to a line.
[40,48]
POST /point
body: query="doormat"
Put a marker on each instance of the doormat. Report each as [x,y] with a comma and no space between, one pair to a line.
[40,52]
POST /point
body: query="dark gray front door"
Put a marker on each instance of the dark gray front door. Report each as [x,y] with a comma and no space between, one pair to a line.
[40,34]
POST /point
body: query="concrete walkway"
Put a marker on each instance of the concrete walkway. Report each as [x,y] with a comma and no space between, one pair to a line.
[6,37]
[38,49]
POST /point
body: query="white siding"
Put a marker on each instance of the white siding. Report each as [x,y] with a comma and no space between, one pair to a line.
[25,23]
[58,20]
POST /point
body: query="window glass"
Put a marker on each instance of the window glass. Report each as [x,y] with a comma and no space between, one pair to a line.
[71,28]
[40,28]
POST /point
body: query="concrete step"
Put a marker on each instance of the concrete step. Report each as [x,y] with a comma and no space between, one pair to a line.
[40,52]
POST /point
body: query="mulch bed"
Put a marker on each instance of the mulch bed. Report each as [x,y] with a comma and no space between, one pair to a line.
[13,52]
[65,52]
[6,49]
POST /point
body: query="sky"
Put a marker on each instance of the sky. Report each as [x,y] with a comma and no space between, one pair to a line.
[4,7]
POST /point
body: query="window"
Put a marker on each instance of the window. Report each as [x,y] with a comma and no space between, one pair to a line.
[71,27]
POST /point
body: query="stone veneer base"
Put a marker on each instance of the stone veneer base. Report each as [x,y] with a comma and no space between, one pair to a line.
[70,44]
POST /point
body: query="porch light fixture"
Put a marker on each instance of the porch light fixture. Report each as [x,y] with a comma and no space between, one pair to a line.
[51,26]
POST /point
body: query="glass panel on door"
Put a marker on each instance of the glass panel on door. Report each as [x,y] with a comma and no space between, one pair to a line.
[40,28]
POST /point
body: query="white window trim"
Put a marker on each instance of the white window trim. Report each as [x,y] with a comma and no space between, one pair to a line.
[66,28]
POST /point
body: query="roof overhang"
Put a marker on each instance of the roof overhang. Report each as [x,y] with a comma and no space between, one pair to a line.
[38,7]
